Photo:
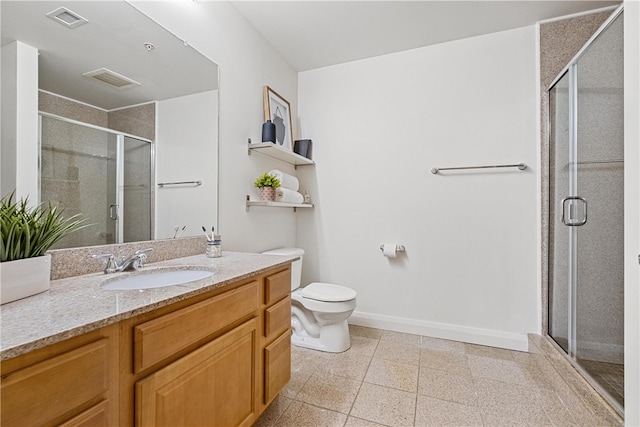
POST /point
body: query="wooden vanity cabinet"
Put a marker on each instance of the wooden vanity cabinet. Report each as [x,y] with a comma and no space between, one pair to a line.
[215,359]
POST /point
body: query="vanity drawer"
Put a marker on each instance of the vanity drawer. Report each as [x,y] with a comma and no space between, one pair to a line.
[159,338]
[277,366]
[277,286]
[46,391]
[277,318]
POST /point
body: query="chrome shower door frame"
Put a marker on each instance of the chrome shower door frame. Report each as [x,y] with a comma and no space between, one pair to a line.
[115,207]
[561,181]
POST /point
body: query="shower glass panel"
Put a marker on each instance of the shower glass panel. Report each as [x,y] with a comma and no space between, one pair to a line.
[559,183]
[95,172]
[599,175]
[586,277]
[136,192]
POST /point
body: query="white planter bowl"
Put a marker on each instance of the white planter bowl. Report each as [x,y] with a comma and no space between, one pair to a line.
[24,278]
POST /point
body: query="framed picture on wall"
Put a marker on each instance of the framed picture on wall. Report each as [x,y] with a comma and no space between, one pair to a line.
[278,110]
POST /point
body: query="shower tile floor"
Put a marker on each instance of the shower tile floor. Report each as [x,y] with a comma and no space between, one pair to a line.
[609,375]
[393,379]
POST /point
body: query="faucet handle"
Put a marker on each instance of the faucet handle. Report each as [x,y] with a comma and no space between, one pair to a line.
[111,266]
[141,258]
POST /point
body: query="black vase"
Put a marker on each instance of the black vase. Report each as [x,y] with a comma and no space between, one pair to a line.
[268,132]
[278,120]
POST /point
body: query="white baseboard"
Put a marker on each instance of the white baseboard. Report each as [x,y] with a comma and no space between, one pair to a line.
[488,337]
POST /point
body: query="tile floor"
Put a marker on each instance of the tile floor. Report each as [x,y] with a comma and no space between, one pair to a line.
[393,379]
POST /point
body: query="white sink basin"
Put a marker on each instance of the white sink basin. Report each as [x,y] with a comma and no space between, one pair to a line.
[156,279]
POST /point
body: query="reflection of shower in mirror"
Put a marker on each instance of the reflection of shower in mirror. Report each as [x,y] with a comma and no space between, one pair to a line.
[176,83]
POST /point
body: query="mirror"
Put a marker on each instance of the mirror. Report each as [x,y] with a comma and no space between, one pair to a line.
[127,123]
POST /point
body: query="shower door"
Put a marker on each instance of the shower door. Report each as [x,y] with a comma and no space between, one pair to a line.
[136,190]
[101,174]
[586,279]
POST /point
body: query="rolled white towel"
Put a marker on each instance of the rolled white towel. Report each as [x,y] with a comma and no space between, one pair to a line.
[286,180]
[288,196]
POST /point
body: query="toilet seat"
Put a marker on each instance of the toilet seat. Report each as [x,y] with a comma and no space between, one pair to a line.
[328,292]
[322,306]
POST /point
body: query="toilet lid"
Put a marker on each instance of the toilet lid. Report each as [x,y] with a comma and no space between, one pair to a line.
[328,292]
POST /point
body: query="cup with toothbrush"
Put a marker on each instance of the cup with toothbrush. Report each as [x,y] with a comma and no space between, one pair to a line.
[214,244]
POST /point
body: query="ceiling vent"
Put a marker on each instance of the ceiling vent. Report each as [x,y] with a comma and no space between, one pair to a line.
[111,78]
[64,16]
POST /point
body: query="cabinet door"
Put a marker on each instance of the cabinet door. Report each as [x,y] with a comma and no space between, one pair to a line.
[277,366]
[214,385]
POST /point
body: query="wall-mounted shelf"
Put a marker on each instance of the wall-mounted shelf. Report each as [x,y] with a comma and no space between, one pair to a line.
[277,152]
[277,204]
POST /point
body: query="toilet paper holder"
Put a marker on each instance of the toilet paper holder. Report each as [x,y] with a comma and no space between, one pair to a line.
[399,248]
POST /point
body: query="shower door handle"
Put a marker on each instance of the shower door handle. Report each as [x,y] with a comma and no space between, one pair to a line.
[570,215]
[113,212]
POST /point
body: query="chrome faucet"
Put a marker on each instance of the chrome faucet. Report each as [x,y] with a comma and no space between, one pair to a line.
[133,262]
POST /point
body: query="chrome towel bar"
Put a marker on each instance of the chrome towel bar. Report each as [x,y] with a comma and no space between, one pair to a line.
[163,184]
[520,166]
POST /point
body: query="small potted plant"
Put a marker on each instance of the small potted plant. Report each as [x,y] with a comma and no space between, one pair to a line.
[26,234]
[267,185]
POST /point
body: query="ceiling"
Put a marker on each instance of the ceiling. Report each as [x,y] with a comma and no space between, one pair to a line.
[314,34]
[113,38]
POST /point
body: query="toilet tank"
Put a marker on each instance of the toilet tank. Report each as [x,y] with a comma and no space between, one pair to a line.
[296,266]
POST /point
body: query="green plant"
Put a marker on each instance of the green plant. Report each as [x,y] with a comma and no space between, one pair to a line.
[29,232]
[267,180]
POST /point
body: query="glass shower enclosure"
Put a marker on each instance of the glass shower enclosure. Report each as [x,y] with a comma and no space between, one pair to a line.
[586,269]
[107,176]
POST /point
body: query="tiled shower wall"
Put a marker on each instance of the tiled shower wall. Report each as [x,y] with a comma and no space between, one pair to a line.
[139,120]
[64,107]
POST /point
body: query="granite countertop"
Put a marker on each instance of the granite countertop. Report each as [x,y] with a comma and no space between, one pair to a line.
[77,305]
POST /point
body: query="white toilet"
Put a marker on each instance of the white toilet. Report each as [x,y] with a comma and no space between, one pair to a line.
[319,311]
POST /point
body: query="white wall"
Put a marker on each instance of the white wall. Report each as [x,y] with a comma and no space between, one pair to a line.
[20,121]
[187,150]
[247,63]
[632,212]
[378,127]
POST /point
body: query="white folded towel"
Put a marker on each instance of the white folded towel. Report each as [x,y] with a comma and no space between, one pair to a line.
[288,196]
[286,180]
